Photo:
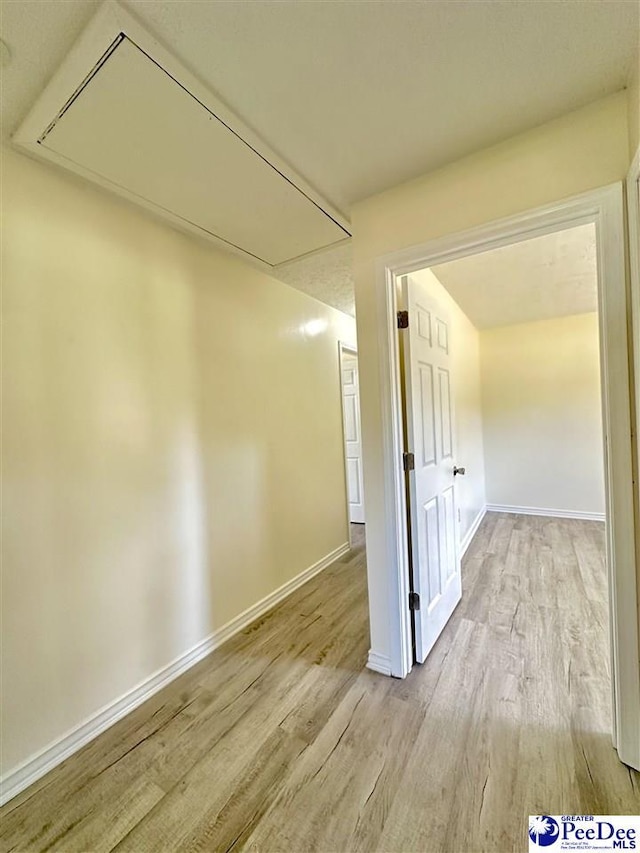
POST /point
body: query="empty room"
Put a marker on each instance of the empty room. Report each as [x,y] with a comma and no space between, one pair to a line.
[320,382]
[524,415]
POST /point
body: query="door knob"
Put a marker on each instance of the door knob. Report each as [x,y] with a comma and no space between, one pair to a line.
[457,470]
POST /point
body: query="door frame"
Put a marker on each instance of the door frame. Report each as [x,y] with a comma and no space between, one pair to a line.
[633,218]
[603,208]
[350,349]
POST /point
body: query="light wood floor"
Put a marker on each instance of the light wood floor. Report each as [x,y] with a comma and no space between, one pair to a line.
[283,741]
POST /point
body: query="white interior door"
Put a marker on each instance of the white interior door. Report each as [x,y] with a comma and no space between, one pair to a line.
[430,437]
[352,436]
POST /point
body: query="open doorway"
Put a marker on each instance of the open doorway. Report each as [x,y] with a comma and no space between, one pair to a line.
[603,210]
[352,430]
[503,414]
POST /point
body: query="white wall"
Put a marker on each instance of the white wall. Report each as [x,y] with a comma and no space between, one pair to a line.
[575,153]
[465,350]
[172,446]
[542,415]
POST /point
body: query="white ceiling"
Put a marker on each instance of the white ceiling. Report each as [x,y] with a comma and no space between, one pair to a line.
[551,276]
[359,96]
[326,276]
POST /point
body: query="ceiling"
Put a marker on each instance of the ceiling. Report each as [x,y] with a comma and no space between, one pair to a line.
[359,96]
[324,275]
[551,276]
[125,115]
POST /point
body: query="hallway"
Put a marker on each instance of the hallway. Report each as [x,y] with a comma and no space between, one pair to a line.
[282,741]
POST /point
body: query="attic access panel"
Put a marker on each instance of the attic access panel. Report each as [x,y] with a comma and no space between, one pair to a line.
[134,126]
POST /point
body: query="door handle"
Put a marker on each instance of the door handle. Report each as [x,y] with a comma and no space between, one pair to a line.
[457,470]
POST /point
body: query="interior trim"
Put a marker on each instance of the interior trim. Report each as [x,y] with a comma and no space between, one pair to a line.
[550,513]
[604,208]
[47,759]
[379,663]
[471,532]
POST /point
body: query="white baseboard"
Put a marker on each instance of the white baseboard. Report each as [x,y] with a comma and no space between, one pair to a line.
[34,768]
[379,663]
[471,532]
[551,513]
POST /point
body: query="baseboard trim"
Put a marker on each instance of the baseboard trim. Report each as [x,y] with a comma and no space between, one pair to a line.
[40,764]
[379,663]
[471,532]
[551,513]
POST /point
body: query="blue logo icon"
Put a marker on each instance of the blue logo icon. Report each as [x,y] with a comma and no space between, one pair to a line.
[543,830]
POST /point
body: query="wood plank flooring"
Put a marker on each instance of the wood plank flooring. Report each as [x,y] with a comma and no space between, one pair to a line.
[282,741]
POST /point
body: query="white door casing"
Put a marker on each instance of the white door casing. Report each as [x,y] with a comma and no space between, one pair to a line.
[431,438]
[604,208]
[352,436]
[633,219]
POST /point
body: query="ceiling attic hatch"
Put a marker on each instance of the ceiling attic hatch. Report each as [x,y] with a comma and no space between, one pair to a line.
[139,124]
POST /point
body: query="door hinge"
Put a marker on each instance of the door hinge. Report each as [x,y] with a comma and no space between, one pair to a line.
[403,319]
[408,461]
[414,601]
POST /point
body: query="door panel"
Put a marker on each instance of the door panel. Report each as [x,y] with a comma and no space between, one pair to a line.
[431,437]
[429,540]
[352,436]
[350,417]
[445,414]
[428,423]
[355,476]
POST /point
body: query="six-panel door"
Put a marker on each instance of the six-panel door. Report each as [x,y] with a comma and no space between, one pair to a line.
[431,437]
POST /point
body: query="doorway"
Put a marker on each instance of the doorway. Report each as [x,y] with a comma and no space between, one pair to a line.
[603,209]
[352,430]
[502,405]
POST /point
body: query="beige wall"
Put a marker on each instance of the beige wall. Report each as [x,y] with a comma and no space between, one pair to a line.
[542,418]
[580,151]
[465,350]
[172,446]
